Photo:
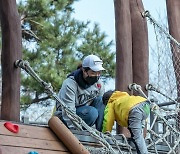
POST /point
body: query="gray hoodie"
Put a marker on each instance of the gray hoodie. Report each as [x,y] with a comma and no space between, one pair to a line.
[74,95]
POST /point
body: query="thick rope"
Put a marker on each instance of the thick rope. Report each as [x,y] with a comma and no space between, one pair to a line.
[154,22]
[152,88]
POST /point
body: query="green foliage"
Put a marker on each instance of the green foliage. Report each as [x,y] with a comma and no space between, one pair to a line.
[54,43]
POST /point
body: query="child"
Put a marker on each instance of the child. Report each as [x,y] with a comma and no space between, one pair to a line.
[128,111]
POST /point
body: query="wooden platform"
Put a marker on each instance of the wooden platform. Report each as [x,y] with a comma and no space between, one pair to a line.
[42,140]
[30,138]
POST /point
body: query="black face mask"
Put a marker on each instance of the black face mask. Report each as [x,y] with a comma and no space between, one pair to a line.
[92,79]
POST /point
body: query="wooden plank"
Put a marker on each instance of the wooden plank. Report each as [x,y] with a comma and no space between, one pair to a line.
[28,131]
[39,137]
[22,150]
[31,143]
[42,139]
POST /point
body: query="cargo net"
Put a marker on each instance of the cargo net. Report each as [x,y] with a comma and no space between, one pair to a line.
[164,90]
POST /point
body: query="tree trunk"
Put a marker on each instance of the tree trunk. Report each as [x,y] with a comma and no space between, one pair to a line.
[173,12]
[11,51]
[140,54]
[140,48]
[131,47]
[123,49]
[123,45]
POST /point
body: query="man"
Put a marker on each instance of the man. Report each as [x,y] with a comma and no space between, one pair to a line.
[82,92]
[127,111]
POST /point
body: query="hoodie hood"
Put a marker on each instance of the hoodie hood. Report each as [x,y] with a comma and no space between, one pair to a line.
[116,95]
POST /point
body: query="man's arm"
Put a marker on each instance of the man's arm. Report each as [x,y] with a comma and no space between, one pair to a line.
[68,95]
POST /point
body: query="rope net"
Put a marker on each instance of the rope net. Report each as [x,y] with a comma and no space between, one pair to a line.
[164,90]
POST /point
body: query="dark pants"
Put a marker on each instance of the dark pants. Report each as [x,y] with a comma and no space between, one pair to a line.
[92,114]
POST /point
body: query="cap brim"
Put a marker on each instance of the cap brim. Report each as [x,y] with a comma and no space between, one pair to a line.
[97,68]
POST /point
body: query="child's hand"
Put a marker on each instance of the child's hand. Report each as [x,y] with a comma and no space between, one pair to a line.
[107,132]
[154,107]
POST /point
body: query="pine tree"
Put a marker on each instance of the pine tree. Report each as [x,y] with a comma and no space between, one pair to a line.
[54,43]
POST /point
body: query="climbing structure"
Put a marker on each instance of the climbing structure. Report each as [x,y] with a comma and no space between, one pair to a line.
[163,126]
[163,134]
[157,142]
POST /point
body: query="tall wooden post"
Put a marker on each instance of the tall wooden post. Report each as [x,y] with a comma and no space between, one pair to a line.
[140,54]
[123,45]
[124,75]
[173,13]
[131,47]
[11,51]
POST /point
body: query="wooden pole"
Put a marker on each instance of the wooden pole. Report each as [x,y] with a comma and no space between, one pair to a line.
[123,45]
[11,51]
[140,48]
[131,47]
[66,136]
[124,75]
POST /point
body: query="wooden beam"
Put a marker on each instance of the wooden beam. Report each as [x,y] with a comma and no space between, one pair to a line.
[131,47]
[140,48]
[124,75]
[30,138]
[123,45]
[11,51]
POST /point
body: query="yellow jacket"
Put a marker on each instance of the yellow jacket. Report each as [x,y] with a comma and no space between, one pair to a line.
[117,109]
